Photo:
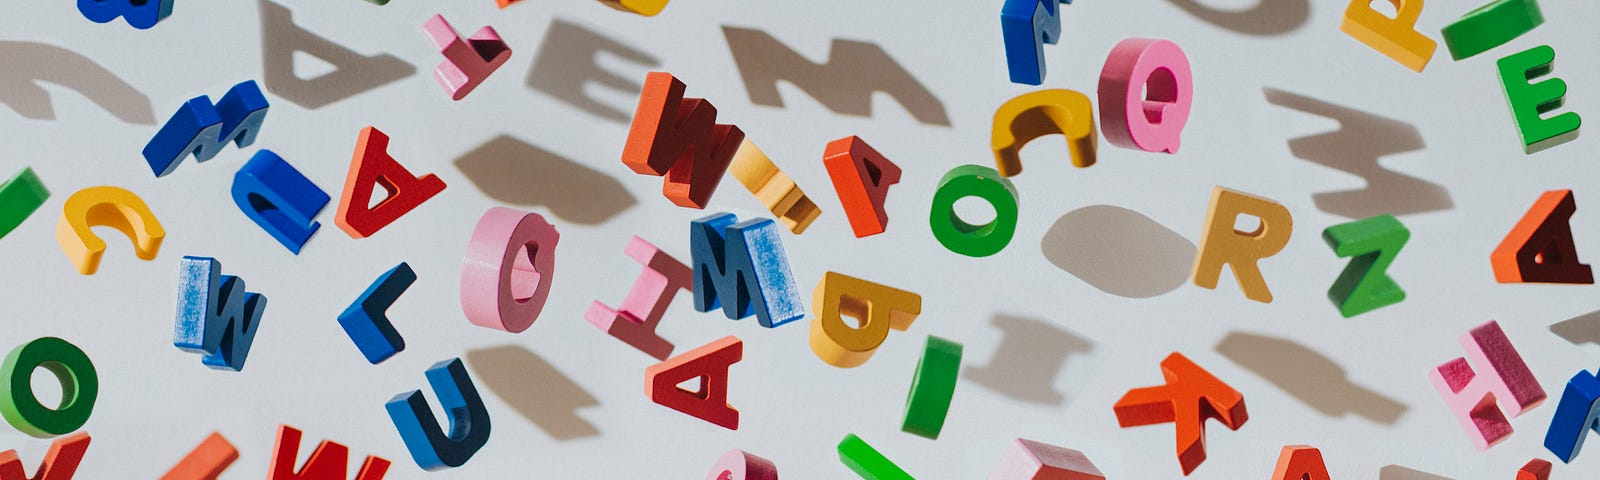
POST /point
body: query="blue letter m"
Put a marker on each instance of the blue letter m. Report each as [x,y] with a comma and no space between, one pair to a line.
[204,129]
[742,267]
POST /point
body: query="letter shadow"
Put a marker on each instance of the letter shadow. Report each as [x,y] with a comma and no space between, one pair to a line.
[1355,148]
[844,84]
[1580,329]
[1308,376]
[1268,17]
[28,63]
[534,387]
[515,172]
[567,63]
[1396,472]
[354,73]
[1030,357]
[1119,251]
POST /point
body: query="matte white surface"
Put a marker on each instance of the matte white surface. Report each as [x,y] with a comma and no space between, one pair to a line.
[157,402]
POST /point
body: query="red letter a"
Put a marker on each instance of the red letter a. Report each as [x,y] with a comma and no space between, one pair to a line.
[371,167]
[708,363]
[862,177]
[1300,462]
[1539,249]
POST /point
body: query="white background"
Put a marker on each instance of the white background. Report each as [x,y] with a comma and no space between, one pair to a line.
[581,389]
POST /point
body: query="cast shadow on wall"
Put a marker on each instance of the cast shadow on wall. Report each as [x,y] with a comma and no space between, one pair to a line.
[511,171]
[1119,251]
[568,61]
[1268,17]
[1355,148]
[353,73]
[844,83]
[1030,356]
[536,389]
[1396,472]
[1308,376]
[27,64]
[1580,329]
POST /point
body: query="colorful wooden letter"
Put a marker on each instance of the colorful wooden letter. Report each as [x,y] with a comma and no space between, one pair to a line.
[1372,244]
[139,14]
[367,324]
[1482,399]
[1490,26]
[741,465]
[1531,102]
[708,363]
[1030,460]
[861,458]
[80,386]
[60,462]
[1576,414]
[508,269]
[862,177]
[1221,244]
[328,462]
[1045,112]
[1190,396]
[932,388]
[961,237]
[636,320]
[1146,88]
[207,461]
[105,207]
[20,196]
[1539,248]
[466,62]
[203,129]
[1536,469]
[1396,37]
[1300,462]
[648,8]
[279,199]
[372,167]
[773,188]
[877,308]
[216,316]
[678,139]
[1025,26]
[432,447]
[742,268]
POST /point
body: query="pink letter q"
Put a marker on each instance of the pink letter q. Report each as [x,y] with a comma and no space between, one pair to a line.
[1130,117]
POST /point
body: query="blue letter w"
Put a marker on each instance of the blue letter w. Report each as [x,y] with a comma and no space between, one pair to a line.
[216,317]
